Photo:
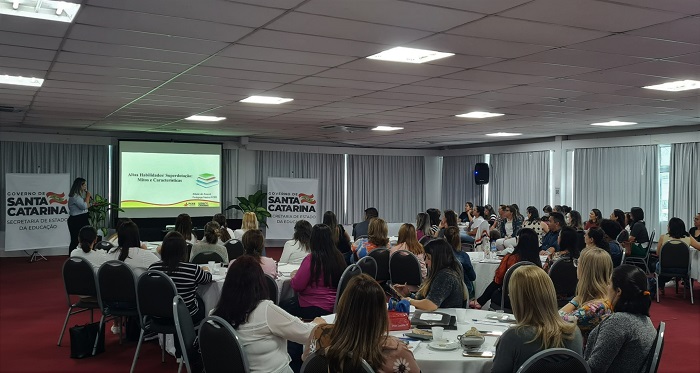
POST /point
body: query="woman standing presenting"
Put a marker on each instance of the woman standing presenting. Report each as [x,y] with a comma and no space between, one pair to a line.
[78,202]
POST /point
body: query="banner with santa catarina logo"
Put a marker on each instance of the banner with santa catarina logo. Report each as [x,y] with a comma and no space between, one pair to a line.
[288,201]
[36,211]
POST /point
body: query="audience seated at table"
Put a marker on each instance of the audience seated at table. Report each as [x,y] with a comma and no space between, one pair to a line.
[695,230]
[407,241]
[594,218]
[210,243]
[676,232]
[499,217]
[444,287]
[453,238]
[546,210]
[316,281]
[87,238]
[623,342]
[362,229]
[296,249]
[340,236]
[263,328]
[595,238]
[569,247]
[509,227]
[639,235]
[254,245]
[128,249]
[466,215]
[575,220]
[612,230]
[618,216]
[549,242]
[534,222]
[250,221]
[449,219]
[590,306]
[183,225]
[538,327]
[423,225]
[361,326]
[434,215]
[377,238]
[468,235]
[114,238]
[225,233]
[490,215]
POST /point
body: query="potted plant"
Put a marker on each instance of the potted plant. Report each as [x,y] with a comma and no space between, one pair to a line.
[97,213]
[255,204]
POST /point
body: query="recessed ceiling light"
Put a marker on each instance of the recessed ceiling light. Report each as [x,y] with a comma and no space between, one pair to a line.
[409,55]
[681,85]
[503,134]
[266,100]
[613,123]
[386,128]
[205,118]
[479,114]
[20,80]
[49,10]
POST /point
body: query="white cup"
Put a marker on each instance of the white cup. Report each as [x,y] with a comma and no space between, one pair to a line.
[211,265]
[437,333]
[461,315]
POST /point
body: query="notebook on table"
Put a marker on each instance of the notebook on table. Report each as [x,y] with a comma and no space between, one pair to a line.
[426,320]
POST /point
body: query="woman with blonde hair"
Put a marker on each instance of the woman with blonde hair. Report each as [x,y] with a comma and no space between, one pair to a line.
[538,327]
[408,241]
[590,306]
[362,300]
[250,221]
[377,237]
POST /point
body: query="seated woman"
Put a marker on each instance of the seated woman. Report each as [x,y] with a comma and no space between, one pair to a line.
[639,236]
[377,237]
[590,306]
[676,231]
[567,243]
[695,230]
[183,225]
[422,225]
[129,249]
[296,249]
[225,233]
[407,241]
[594,218]
[575,220]
[611,230]
[449,219]
[452,236]
[87,238]
[509,227]
[254,245]
[316,281]
[595,239]
[210,243]
[534,222]
[114,238]
[362,300]
[527,249]
[623,342]
[444,287]
[263,328]
[538,327]
[250,221]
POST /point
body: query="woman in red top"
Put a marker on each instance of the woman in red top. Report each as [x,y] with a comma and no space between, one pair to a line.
[594,218]
[527,249]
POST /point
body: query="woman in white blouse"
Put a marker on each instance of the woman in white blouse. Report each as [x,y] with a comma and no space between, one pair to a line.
[296,249]
[250,221]
[87,239]
[129,250]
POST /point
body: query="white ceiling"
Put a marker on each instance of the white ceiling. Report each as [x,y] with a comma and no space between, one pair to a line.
[552,66]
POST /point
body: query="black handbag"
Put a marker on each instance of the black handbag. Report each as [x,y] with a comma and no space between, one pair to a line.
[82,340]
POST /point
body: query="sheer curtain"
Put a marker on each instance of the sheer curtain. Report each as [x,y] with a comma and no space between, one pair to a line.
[458,182]
[395,185]
[229,187]
[520,178]
[327,168]
[90,162]
[622,178]
[684,185]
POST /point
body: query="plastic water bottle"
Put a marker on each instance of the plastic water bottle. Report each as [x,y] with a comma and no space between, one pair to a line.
[494,249]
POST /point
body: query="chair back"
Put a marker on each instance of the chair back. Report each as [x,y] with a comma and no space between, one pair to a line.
[580,240]
[185,329]
[404,268]
[234,248]
[206,257]
[188,253]
[115,283]
[424,240]
[104,245]
[154,295]
[555,360]
[481,233]
[563,275]
[657,348]
[79,278]
[221,349]
[368,266]
[351,271]
[318,363]
[506,280]
[272,289]
[674,254]
[381,256]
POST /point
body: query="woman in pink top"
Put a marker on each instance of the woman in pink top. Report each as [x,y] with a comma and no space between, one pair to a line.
[254,244]
[407,241]
[316,281]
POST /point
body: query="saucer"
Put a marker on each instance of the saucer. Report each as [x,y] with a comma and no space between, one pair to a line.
[444,345]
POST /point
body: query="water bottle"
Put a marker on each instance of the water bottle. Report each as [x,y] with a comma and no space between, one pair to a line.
[485,247]
[494,249]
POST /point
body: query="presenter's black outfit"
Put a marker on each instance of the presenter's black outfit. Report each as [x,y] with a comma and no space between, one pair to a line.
[78,218]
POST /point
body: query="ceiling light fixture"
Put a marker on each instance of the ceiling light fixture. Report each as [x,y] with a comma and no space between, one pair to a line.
[49,10]
[266,100]
[205,118]
[409,55]
[20,80]
[503,134]
[613,123]
[681,85]
[386,128]
[479,115]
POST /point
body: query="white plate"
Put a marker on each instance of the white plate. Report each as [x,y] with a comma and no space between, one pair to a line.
[501,317]
[444,345]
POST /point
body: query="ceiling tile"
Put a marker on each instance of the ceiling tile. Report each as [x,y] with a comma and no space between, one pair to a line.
[693,58]
[34,27]
[264,66]
[479,6]
[310,43]
[638,46]
[461,84]
[673,70]
[495,77]
[679,6]
[684,30]
[477,46]
[345,83]
[574,57]
[28,53]
[448,92]
[425,70]
[536,68]
[369,76]
[284,55]
[112,50]
[120,62]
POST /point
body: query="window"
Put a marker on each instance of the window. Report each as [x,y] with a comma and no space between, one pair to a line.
[664,170]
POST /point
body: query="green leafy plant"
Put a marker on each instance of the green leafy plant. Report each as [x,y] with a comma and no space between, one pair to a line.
[97,213]
[255,203]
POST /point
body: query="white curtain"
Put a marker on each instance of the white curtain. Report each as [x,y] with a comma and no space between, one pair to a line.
[395,185]
[618,178]
[327,168]
[229,187]
[520,178]
[458,182]
[90,162]
[684,182]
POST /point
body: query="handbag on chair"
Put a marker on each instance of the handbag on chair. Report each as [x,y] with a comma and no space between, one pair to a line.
[82,340]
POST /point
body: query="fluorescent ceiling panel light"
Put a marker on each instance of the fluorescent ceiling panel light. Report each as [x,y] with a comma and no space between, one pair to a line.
[386,128]
[681,85]
[613,123]
[20,80]
[49,10]
[266,100]
[205,118]
[409,55]
[503,134]
[479,115]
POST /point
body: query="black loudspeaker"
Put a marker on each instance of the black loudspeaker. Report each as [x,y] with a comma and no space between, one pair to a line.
[481,173]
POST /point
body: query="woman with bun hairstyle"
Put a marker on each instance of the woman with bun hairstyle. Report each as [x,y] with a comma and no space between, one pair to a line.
[209,243]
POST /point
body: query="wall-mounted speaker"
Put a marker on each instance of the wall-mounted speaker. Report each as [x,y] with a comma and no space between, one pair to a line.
[481,173]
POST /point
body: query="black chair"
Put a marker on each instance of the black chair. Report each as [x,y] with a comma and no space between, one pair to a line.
[674,261]
[424,240]
[580,240]
[381,256]
[368,266]
[116,293]
[221,350]
[555,360]
[404,268]
[642,262]
[188,253]
[657,348]
[154,296]
[206,257]
[104,245]
[318,363]
[563,275]
[79,279]
[185,332]
[272,289]
[234,248]
[351,271]
[504,288]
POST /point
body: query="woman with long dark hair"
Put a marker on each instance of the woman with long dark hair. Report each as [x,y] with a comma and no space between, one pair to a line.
[254,245]
[453,238]
[509,227]
[638,234]
[568,244]
[449,219]
[225,233]
[595,238]
[534,222]
[183,225]
[78,203]
[340,236]
[594,218]
[407,241]
[129,248]
[612,230]
[575,220]
[296,249]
